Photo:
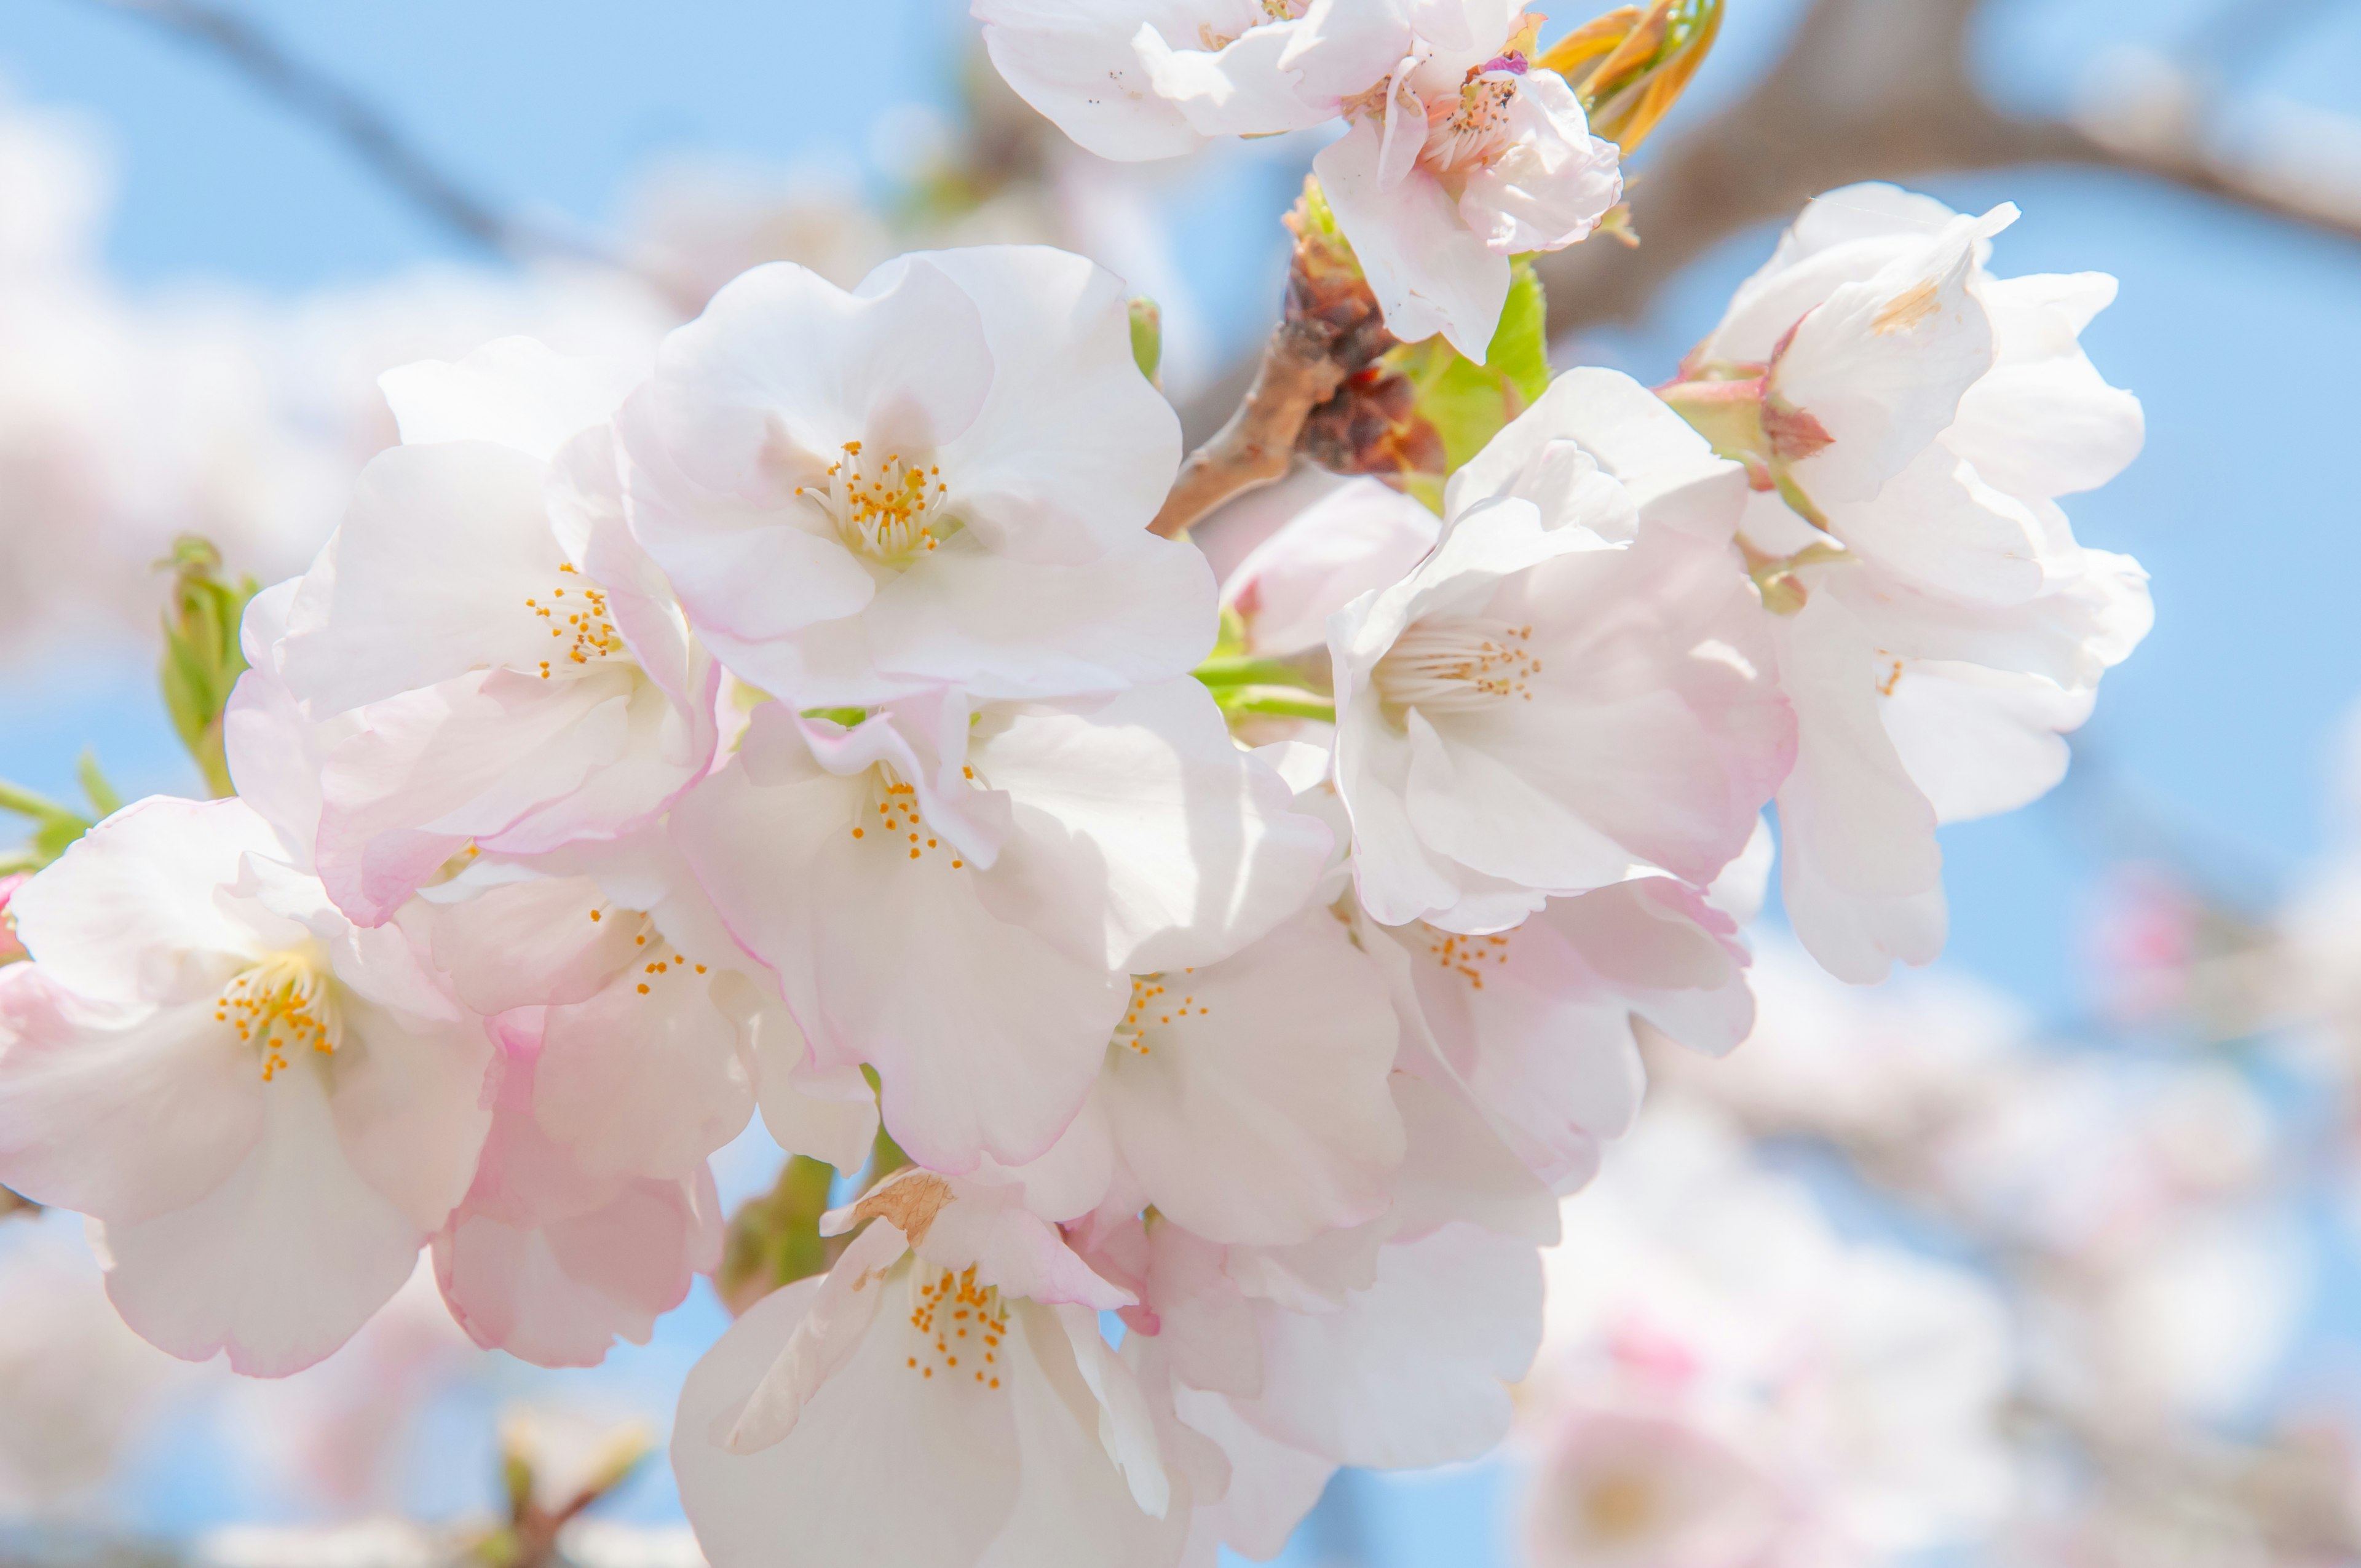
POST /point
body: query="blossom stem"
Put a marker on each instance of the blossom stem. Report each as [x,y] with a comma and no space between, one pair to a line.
[1279,702]
[1249,670]
[775,1240]
[1257,446]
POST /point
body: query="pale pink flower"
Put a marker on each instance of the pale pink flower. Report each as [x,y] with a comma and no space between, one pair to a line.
[941,1395]
[267,1108]
[942,478]
[1459,151]
[959,895]
[510,669]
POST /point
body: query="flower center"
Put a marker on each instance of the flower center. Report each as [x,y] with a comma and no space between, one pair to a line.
[1455,663]
[1468,956]
[967,1323]
[281,1004]
[1619,1507]
[652,950]
[585,619]
[889,511]
[1151,1006]
[1215,41]
[888,815]
[1473,129]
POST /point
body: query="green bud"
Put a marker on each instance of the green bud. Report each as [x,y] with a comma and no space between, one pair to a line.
[1147,338]
[201,658]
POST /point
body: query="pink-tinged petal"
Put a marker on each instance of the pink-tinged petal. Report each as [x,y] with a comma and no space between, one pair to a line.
[528,942]
[512,393]
[874,1436]
[1882,364]
[412,1105]
[986,1228]
[426,579]
[1073,451]
[1075,62]
[1859,870]
[1272,1486]
[1360,537]
[131,913]
[997,1048]
[1552,182]
[1142,803]
[1668,469]
[124,1118]
[1430,273]
[560,1293]
[1250,1097]
[1841,236]
[1412,1371]
[825,1340]
[1145,610]
[646,1078]
[1125,1430]
[830,1113]
[1241,89]
[279,1264]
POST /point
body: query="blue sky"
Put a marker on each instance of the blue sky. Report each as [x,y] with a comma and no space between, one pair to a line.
[2240,333]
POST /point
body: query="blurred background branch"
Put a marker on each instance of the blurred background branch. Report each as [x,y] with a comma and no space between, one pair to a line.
[389,153]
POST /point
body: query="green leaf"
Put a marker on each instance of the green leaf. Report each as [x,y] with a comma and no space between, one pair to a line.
[1468,403]
[101,794]
[201,658]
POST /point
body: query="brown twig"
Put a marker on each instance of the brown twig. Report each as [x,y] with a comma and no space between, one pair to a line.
[1298,373]
[366,130]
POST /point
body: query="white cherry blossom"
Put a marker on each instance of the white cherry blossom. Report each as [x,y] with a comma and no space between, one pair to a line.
[958,896]
[1910,422]
[1568,692]
[1459,152]
[511,669]
[944,477]
[941,1395]
[267,1107]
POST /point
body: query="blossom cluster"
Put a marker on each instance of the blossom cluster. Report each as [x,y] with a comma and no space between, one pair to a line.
[804,722]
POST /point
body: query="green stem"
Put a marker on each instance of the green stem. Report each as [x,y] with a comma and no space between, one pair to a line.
[1247,669]
[1280,702]
[775,1240]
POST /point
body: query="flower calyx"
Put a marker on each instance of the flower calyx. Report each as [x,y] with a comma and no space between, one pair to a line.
[1737,408]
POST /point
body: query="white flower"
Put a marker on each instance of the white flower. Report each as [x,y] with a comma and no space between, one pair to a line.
[1464,155]
[1460,151]
[267,1108]
[942,1396]
[959,896]
[944,477]
[1245,1101]
[1568,692]
[1360,536]
[511,669]
[1727,1382]
[1538,1024]
[1941,627]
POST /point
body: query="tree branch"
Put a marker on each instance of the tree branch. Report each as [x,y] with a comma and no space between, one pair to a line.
[366,131]
[1869,90]
[1297,373]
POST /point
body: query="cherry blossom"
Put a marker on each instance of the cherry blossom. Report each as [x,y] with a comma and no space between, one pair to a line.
[953,1355]
[1909,421]
[1460,149]
[550,692]
[266,1108]
[1727,1382]
[1479,698]
[959,895]
[943,477]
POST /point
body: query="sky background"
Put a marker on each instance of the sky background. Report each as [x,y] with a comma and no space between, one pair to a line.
[2240,333]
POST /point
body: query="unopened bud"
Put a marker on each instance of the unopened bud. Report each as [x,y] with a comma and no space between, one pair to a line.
[1630,67]
[202,656]
[1147,338]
